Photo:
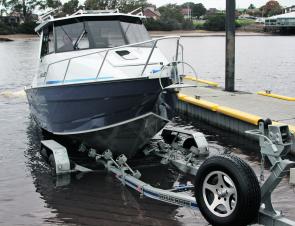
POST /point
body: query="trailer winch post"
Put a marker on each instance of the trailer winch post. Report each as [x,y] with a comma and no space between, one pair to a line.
[275,142]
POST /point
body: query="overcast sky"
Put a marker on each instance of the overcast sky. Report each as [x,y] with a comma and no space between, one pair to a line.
[219,4]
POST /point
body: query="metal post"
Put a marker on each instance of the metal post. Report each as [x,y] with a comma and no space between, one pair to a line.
[230,46]
[149,57]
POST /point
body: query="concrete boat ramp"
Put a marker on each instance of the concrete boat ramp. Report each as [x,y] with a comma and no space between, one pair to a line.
[234,111]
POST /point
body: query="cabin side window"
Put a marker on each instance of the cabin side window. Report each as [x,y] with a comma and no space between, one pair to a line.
[47,41]
[135,32]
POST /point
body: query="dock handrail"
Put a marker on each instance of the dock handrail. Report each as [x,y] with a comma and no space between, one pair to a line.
[106,51]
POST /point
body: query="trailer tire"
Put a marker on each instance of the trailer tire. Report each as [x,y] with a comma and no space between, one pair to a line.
[227,191]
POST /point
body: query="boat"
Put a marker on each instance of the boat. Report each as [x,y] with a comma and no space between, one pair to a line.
[101,80]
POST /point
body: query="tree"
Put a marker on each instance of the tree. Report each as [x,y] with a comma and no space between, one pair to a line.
[123,5]
[96,4]
[3,6]
[26,7]
[70,7]
[251,6]
[271,8]
[197,9]
[130,5]
[21,6]
[54,4]
[171,11]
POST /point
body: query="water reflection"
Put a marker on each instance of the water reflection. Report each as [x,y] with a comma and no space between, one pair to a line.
[98,198]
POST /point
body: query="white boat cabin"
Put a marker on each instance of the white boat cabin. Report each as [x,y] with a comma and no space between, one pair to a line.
[97,47]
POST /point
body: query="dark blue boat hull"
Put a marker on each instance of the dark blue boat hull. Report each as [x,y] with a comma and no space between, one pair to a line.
[121,115]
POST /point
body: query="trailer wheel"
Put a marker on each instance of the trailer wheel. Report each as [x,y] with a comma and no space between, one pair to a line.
[52,164]
[227,191]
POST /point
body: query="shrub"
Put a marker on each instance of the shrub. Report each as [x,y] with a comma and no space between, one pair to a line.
[27,28]
[6,29]
[167,25]
[24,28]
[215,23]
[188,25]
[244,22]
[198,25]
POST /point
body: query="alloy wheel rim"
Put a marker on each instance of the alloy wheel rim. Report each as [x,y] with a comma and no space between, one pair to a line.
[220,194]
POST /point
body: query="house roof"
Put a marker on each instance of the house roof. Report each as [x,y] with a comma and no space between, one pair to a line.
[152,9]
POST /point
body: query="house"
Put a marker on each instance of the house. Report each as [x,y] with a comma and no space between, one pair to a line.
[149,12]
[187,13]
[11,20]
[212,11]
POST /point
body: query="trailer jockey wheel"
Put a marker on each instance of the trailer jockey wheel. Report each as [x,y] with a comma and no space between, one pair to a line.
[227,191]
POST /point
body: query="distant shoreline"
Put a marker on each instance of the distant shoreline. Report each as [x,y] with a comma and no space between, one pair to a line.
[203,33]
[15,37]
[155,34]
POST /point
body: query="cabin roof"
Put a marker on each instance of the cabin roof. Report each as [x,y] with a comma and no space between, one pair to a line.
[285,15]
[52,20]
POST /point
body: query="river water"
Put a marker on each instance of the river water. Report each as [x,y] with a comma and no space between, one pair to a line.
[28,193]
[262,62]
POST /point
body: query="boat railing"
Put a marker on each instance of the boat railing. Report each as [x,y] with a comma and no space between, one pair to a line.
[107,51]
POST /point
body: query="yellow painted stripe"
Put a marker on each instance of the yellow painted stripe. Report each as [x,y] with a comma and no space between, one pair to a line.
[250,118]
[201,103]
[273,95]
[193,78]
[243,116]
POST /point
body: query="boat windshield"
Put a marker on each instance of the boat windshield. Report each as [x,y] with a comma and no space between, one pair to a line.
[98,34]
